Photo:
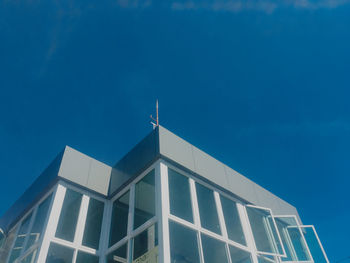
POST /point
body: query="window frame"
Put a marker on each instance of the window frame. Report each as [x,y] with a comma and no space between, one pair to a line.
[196,225]
[34,209]
[131,233]
[76,245]
[304,240]
[275,225]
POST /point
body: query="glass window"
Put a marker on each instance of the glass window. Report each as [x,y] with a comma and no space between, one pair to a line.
[30,258]
[265,259]
[179,195]
[119,223]
[144,200]
[314,244]
[207,209]
[232,220]
[264,231]
[93,224]
[39,221]
[145,245]
[58,253]
[69,215]
[292,239]
[214,251]
[239,255]
[183,244]
[83,257]
[21,235]
[118,255]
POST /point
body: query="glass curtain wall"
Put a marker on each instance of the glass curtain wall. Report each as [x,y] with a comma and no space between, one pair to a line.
[206,226]
[29,233]
[133,233]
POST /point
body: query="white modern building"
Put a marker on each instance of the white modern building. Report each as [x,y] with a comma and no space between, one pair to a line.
[164,201]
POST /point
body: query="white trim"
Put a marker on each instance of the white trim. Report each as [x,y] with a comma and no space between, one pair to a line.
[247,230]
[194,201]
[104,237]
[53,218]
[162,211]
[220,214]
[80,227]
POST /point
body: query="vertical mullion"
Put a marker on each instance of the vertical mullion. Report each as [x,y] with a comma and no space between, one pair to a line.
[79,232]
[196,217]
[106,223]
[247,231]
[227,246]
[75,254]
[52,222]
[195,209]
[220,215]
[163,210]
[131,221]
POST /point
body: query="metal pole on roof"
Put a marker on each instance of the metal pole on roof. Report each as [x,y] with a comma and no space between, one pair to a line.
[155,121]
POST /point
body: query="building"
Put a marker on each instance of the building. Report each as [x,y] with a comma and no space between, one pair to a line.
[164,201]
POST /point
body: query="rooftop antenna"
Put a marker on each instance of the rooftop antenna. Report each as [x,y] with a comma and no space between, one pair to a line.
[155,122]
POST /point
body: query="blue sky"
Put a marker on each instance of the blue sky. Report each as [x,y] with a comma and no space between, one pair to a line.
[261,85]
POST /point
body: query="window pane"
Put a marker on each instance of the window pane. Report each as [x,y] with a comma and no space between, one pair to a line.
[69,215]
[314,245]
[214,251]
[118,255]
[119,223]
[58,253]
[207,209]
[144,200]
[93,224]
[264,231]
[30,258]
[38,225]
[239,255]
[21,235]
[183,244]
[83,257]
[262,259]
[146,245]
[179,196]
[292,239]
[232,220]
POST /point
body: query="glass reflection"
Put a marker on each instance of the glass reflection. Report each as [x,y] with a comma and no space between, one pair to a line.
[145,245]
[207,209]
[183,244]
[239,255]
[93,224]
[214,251]
[38,225]
[179,195]
[59,254]
[21,235]
[119,255]
[119,222]
[144,200]
[232,220]
[69,215]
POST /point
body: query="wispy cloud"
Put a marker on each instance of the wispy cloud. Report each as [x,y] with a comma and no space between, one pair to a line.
[266,6]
